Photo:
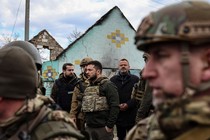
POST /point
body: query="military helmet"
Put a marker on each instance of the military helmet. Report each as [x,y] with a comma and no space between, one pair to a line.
[187,21]
[18,74]
[85,61]
[30,48]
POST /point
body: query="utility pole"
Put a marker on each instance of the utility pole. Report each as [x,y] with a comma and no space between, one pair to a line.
[27,10]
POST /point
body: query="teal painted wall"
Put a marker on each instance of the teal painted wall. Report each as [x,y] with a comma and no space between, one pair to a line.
[107,42]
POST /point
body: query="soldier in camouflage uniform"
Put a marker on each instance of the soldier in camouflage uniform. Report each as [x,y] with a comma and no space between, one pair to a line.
[76,114]
[143,95]
[34,53]
[25,115]
[177,38]
[138,90]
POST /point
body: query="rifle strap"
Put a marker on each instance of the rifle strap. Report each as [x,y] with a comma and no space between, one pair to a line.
[33,123]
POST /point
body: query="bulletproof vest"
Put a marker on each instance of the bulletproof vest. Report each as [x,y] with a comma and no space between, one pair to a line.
[93,101]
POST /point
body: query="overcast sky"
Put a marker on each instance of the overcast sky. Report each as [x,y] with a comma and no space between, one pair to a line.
[61,17]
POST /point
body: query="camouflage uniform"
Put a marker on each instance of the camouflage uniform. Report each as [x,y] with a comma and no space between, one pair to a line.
[143,95]
[41,89]
[138,91]
[146,129]
[185,117]
[194,123]
[30,117]
[76,103]
[146,107]
[44,123]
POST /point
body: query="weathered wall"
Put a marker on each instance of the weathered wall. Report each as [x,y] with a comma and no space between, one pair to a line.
[107,41]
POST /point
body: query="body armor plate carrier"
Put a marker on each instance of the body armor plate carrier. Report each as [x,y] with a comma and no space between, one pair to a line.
[92,101]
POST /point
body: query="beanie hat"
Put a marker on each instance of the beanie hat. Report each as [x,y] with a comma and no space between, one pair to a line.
[18,74]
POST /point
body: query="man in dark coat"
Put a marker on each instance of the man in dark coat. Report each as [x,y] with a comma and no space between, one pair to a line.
[128,108]
[63,87]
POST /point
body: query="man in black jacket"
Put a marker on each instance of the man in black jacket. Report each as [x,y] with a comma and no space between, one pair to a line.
[63,87]
[128,108]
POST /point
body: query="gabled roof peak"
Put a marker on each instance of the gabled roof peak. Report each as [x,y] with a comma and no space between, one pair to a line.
[98,22]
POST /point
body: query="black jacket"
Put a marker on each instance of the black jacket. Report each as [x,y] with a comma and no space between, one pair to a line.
[62,91]
[125,86]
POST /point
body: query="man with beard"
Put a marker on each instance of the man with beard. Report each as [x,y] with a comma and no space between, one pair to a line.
[63,87]
[177,37]
[128,107]
[100,103]
[76,113]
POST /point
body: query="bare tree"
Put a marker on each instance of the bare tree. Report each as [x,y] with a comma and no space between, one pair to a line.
[6,38]
[74,35]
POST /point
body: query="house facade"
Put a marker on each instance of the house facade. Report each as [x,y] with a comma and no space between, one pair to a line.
[110,39]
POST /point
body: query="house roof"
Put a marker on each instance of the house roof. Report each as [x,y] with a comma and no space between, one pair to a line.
[100,21]
[42,32]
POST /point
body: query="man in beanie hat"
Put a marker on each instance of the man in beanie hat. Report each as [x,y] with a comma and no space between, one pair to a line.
[34,53]
[177,37]
[23,115]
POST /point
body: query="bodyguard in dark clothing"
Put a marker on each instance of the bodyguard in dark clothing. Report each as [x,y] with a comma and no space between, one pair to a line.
[128,108]
[64,86]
